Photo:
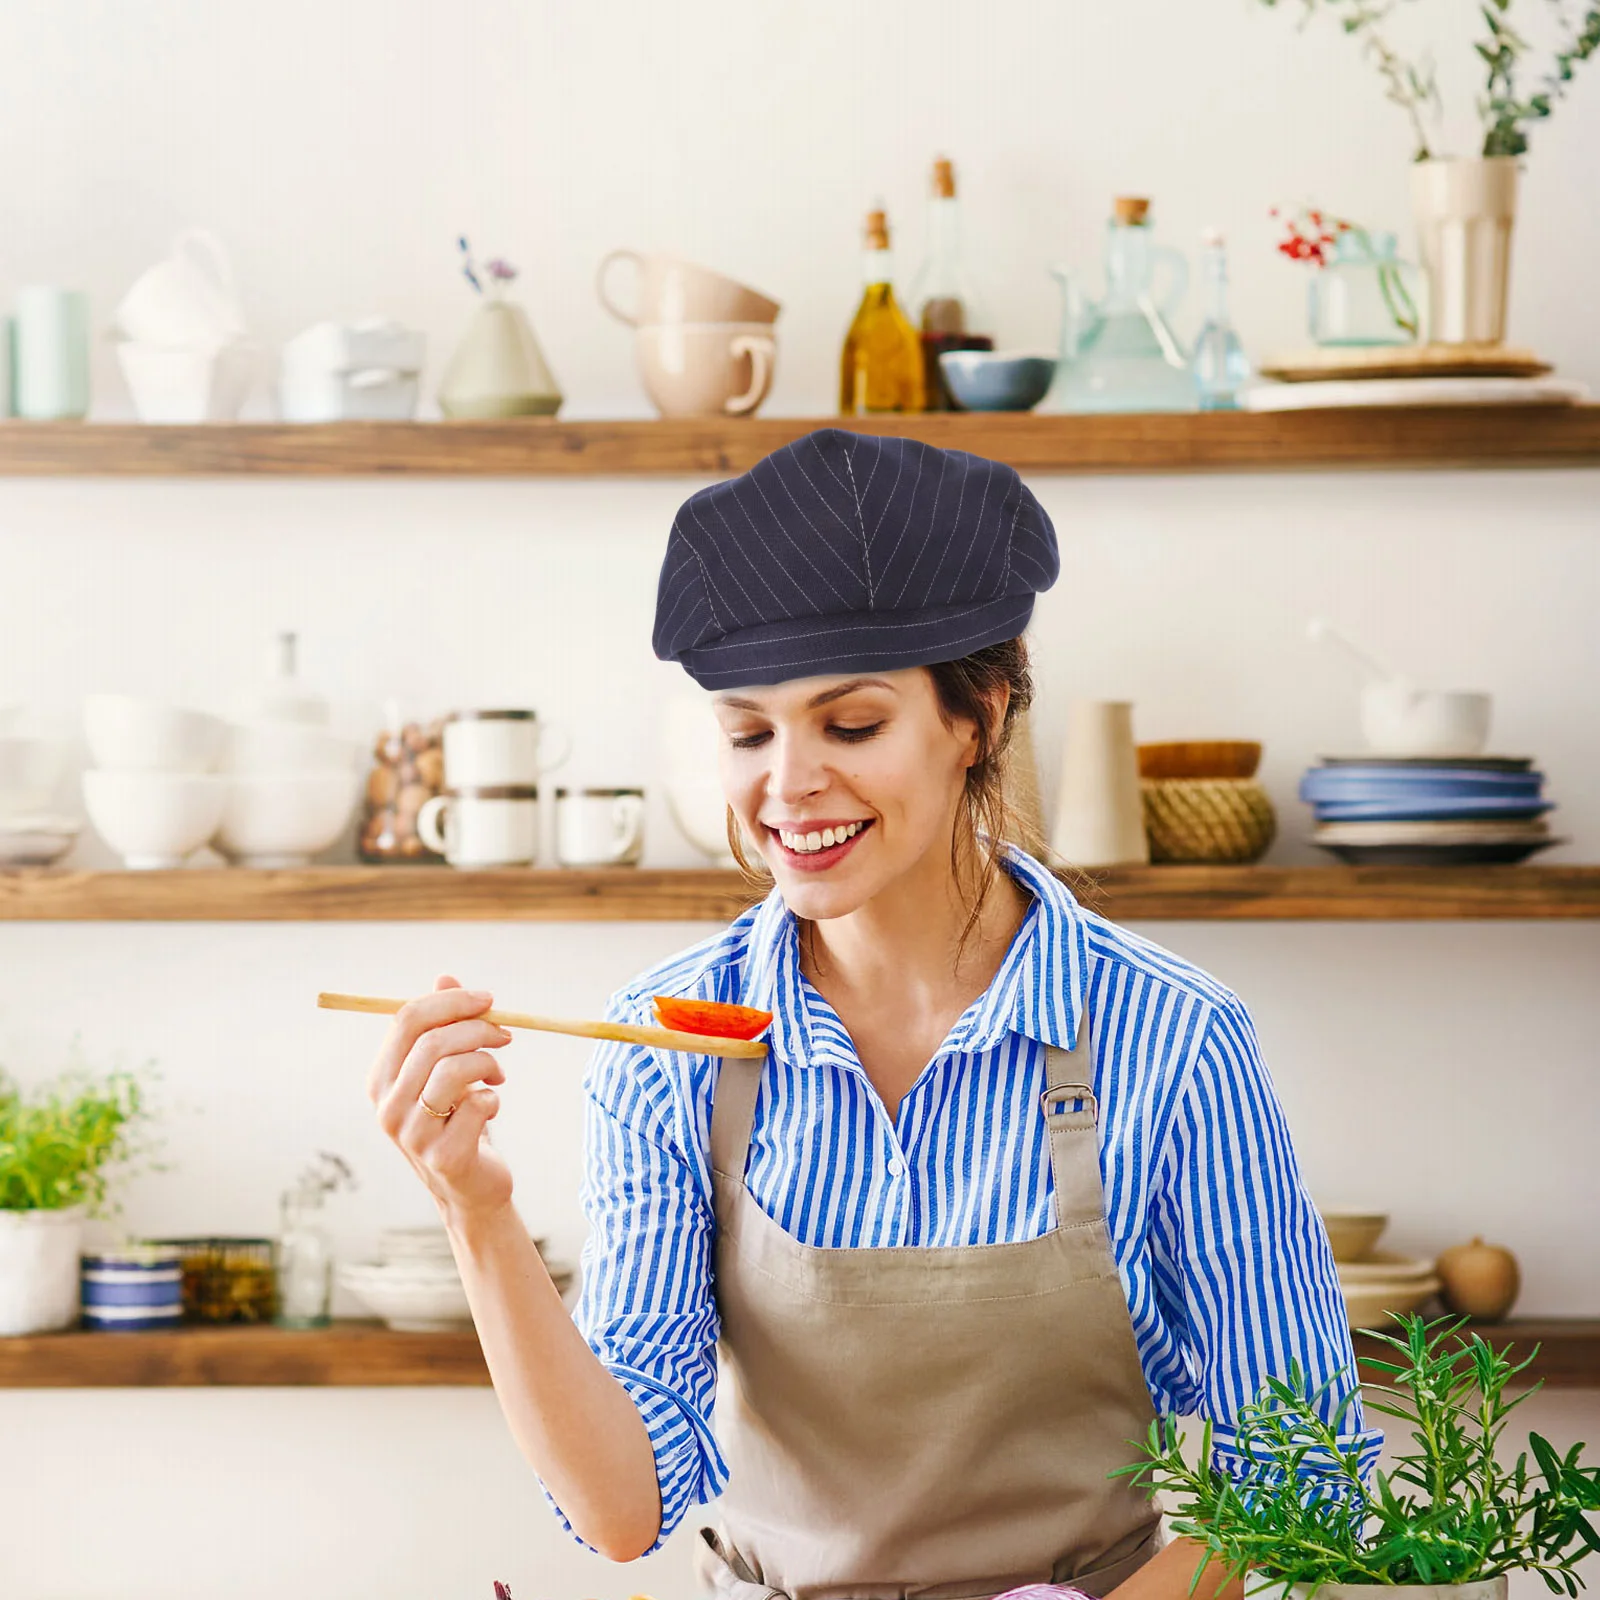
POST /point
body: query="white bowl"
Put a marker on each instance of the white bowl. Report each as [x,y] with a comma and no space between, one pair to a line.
[30,769]
[1354,1233]
[129,734]
[154,819]
[38,841]
[700,809]
[408,1300]
[284,820]
[276,748]
[1384,1267]
[1368,1305]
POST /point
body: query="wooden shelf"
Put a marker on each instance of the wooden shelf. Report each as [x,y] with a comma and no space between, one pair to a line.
[439,894]
[1446,436]
[366,1355]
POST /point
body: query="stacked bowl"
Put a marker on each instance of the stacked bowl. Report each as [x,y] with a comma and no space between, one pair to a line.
[1375,1283]
[414,1285]
[31,833]
[1428,810]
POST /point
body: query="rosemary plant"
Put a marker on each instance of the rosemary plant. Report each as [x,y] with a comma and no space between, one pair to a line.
[1299,1511]
[1504,112]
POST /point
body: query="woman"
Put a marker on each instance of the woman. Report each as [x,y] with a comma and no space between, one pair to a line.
[1010,1179]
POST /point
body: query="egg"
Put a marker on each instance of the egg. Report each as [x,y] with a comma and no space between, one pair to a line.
[1479,1280]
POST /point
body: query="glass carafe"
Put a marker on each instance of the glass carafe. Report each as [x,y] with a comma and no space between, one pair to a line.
[1121,354]
[1365,295]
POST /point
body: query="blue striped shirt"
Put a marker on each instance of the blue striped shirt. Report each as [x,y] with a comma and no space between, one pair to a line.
[1222,1256]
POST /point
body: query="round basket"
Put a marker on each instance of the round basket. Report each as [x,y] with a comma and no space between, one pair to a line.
[1207,819]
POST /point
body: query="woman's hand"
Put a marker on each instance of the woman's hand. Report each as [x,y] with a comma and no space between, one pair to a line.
[437,1050]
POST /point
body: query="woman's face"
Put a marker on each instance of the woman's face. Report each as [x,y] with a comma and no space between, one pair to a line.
[845,784]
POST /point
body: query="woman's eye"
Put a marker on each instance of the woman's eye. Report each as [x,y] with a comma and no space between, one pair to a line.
[748,741]
[854,735]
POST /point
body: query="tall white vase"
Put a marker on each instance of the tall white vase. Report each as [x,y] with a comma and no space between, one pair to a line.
[1100,813]
[39,1276]
[1465,209]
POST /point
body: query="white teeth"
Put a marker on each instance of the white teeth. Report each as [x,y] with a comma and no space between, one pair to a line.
[806,843]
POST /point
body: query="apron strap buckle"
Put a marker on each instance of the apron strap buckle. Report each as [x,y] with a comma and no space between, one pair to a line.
[1068,1092]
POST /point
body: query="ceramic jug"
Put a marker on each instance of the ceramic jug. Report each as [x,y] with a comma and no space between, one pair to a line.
[1120,353]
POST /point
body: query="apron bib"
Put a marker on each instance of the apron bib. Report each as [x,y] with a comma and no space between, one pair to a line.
[911,1423]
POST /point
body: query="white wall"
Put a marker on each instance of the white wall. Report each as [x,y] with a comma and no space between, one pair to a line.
[1445,1072]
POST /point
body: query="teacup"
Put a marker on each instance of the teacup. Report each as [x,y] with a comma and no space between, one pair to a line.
[706,369]
[1397,719]
[670,290]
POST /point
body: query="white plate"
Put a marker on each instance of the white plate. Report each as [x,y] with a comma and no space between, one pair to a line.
[1384,1267]
[1361,392]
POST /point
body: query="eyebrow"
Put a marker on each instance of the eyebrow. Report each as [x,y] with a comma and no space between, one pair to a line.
[826,697]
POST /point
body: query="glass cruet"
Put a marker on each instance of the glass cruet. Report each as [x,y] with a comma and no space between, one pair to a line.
[303,1252]
[1121,354]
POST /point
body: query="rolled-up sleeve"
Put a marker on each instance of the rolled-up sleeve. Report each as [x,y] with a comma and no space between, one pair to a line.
[1251,1256]
[646,1306]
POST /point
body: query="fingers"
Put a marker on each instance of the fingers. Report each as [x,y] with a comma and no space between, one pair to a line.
[452,1146]
[448,1003]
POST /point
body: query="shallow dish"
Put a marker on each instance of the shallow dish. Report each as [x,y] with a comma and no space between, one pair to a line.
[1470,763]
[1480,854]
[409,1300]
[1398,810]
[36,841]
[996,380]
[1200,758]
[1384,1267]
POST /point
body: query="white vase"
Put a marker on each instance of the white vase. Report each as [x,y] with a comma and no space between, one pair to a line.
[1464,210]
[1259,1588]
[39,1272]
[498,369]
[1100,811]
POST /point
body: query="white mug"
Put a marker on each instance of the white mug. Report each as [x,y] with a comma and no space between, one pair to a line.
[599,827]
[497,750]
[482,827]
[1100,811]
[1397,719]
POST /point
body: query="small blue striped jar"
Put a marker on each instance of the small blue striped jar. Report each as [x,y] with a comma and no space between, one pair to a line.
[134,1287]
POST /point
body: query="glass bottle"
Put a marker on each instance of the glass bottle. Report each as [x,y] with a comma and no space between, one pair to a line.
[943,306]
[304,1259]
[1220,366]
[881,365]
[1363,296]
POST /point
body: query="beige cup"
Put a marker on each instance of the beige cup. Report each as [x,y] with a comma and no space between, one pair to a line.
[670,290]
[706,369]
[1100,811]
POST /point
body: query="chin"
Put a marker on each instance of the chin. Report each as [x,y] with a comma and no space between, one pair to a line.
[819,896]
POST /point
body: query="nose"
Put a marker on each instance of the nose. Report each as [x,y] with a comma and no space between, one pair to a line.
[796,772]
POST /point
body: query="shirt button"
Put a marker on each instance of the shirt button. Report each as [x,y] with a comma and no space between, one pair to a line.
[896,1166]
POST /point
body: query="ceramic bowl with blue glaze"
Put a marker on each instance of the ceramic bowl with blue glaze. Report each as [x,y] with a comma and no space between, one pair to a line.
[996,380]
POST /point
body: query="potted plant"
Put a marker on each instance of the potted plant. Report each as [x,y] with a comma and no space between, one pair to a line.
[1465,206]
[1298,1518]
[56,1152]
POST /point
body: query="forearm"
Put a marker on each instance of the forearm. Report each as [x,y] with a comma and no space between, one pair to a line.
[574,1423]
[1170,1572]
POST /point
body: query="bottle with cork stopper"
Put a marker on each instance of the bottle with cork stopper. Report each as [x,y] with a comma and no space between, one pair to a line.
[943,304]
[881,366]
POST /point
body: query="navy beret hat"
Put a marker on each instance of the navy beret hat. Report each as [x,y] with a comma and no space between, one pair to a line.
[850,552]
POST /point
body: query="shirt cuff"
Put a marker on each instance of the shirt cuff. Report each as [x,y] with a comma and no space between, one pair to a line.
[1319,1471]
[689,1466]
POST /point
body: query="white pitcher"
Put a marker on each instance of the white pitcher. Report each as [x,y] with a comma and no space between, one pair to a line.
[186,301]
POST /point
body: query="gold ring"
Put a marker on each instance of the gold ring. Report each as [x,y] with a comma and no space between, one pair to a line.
[443,1116]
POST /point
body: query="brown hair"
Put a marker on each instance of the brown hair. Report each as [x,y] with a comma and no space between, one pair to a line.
[968,689]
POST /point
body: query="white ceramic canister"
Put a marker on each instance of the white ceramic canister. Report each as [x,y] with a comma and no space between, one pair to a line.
[39,1284]
[599,827]
[1100,810]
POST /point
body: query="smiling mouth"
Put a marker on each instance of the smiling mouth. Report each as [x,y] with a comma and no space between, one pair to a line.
[821,846]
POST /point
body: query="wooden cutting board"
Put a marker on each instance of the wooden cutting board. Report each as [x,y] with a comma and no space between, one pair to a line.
[1405,361]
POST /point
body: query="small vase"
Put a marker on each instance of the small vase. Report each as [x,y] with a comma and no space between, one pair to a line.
[498,369]
[1465,209]
[304,1264]
[1364,295]
[39,1274]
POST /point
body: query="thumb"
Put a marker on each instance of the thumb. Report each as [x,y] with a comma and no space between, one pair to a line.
[445,981]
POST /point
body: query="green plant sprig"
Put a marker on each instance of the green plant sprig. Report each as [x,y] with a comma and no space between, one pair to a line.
[1298,1511]
[57,1148]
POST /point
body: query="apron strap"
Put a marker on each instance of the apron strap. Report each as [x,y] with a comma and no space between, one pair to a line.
[1071,1115]
[733,1113]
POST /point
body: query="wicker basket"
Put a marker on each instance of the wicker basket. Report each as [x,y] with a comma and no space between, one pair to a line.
[1207,819]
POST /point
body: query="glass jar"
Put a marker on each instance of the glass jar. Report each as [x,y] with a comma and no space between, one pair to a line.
[407,771]
[305,1263]
[1365,295]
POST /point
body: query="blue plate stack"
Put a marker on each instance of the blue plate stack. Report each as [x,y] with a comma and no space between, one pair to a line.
[134,1288]
[1415,811]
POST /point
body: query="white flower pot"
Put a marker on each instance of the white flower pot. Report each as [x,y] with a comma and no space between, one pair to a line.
[1465,209]
[1258,1587]
[39,1274]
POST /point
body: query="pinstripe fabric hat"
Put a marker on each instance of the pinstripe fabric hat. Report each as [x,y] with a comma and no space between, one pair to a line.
[849,552]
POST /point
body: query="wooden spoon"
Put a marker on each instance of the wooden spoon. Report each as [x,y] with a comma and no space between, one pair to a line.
[700,1044]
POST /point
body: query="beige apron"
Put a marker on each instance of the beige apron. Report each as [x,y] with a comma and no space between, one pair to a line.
[927,1422]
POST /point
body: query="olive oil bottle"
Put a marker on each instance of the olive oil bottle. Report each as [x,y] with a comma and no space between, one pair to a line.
[882,364]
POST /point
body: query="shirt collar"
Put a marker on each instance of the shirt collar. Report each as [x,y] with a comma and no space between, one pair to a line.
[1038,991]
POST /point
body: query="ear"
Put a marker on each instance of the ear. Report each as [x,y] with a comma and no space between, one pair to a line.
[994,710]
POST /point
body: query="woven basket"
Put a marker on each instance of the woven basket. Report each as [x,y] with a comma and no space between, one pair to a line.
[1207,819]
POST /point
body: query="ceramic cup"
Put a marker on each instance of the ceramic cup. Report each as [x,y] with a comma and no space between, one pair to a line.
[1100,811]
[706,369]
[51,380]
[670,290]
[1399,720]
[500,749]
[490,827]
[599,827]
